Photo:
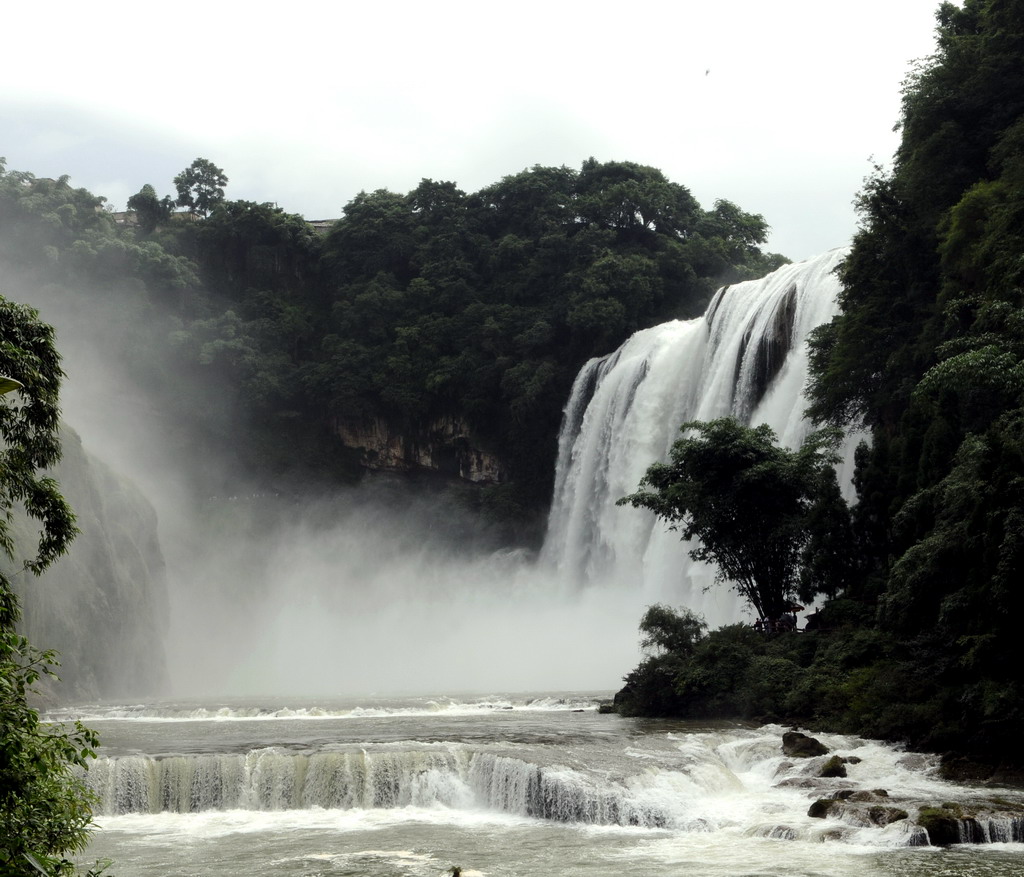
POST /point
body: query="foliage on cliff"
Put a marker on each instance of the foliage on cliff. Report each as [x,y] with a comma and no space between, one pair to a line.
[928,355]
[263,335]
[44,804]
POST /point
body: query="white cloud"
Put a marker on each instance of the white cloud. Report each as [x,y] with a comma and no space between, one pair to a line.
[776,106]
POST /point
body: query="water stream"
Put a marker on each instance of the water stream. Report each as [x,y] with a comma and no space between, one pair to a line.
[500,785]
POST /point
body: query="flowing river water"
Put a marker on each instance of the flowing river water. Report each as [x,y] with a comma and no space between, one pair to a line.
[503,785]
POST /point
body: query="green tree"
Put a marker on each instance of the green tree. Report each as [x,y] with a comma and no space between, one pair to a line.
[635,200]
[375,235]
[200,186]
[44,805]
[750,504]
[150,210]
[671,630]
[531,204]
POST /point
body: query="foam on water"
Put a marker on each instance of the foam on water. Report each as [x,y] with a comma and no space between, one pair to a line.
[710,781]
[513,792]
[441,706]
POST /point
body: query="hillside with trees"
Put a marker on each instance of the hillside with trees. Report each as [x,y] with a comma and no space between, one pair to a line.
[431,332]
[921,644]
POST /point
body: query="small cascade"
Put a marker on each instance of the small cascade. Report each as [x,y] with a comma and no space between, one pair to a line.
[272,780]
[991,829]
[559,795]
[666,791]
[1008,829]
[739,782]
[746,357]
[265,781]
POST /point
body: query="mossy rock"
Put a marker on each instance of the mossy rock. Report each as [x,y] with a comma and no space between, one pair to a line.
[941,823]
[821,808]
[883,816]
[797,745]
[865,797]
[834,767]
[997,802]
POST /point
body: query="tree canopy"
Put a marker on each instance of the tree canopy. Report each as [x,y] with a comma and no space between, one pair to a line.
[414,313]
[755,509]
[200,186]
[150,210]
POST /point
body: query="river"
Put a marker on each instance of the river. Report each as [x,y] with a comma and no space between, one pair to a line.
[518,785]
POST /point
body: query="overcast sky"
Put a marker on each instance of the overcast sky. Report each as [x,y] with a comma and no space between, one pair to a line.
[777,106]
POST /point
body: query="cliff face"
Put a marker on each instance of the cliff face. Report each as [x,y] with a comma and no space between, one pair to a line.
[103,606]
[445,446]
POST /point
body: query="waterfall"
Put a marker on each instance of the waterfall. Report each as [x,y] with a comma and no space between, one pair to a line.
[453,776]
[746,357]
[695,782]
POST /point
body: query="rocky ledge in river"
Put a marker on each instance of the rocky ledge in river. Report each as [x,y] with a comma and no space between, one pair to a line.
[981,822]
[863,809]
[990,819]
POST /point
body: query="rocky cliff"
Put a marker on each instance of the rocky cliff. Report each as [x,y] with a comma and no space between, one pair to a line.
[446,446]
[103,606]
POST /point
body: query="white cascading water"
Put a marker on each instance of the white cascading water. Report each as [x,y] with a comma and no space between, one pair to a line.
[692,782]
[515,785]
[369,777]
[746,357]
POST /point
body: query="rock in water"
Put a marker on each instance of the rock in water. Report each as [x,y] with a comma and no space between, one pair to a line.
[797,745]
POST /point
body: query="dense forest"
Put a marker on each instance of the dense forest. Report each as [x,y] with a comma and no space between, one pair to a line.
[431,332]
[922,643]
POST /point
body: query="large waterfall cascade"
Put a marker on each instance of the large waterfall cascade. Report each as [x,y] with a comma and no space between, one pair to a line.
[746,357]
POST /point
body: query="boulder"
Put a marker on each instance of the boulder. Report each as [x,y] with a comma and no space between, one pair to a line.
[821,808]
[797,745]
[992,821]
[843,804]
[883,816]
[941,823]
[834,767]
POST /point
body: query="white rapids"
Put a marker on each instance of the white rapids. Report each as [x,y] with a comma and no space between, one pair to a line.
[511,785]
